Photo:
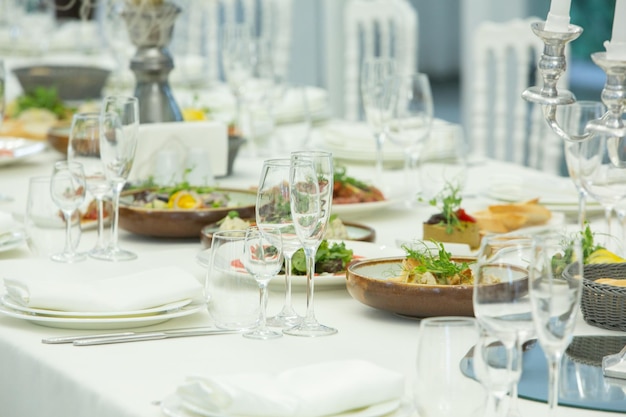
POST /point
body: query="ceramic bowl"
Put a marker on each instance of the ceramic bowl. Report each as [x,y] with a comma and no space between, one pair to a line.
[368,281]
[175,223]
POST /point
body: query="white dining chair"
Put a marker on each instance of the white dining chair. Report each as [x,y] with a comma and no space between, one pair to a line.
[502,125]
[385,28]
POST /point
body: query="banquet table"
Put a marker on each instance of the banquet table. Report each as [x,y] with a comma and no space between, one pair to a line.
[130,379]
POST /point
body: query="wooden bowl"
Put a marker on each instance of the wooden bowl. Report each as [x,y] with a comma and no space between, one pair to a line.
[178,223]
[369,282]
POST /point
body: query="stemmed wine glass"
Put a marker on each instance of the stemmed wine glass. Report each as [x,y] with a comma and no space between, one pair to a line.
[311,183]
[84,147]
[555,283]
[273,209]
[118,141]
[411,122]
[67,188]
[602,163]
[263,258]
[501,301]
[3,197]
[377,95]
[237,61]
[574,119]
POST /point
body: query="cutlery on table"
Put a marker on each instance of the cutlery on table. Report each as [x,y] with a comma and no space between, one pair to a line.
[122,337]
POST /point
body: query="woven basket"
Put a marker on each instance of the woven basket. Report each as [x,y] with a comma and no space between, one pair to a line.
[604,305]
[590,350]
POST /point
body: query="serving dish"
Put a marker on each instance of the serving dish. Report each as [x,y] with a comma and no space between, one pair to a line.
[356,231]
[368,281]
[72,82]
[180,223]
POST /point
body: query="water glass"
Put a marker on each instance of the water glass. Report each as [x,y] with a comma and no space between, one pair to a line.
[439,388]
[43,221]
[232,292]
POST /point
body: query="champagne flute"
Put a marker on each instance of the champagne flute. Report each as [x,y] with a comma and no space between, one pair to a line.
[501,301]
[237,61]
[555,284]
[84,147]
[411,122]
[273,209]
[67,188]
[311,183]
[574,119]
[118,141]
[378,100]
[263,258]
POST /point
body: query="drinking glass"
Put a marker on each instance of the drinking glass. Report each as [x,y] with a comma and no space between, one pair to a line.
[263,258]
[273,209]
[410,123]
[602,162]
[378,100]
[574,118]
[501,301]
[233,294]
[491,364]
[67,188]
[3,197]
[118,141]
[43,222]
[237,61]
[311,183]
[84,147]
[555,283]
[443,342]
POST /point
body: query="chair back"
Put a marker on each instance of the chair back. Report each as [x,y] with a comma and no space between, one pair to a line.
[376,28]
[502,125]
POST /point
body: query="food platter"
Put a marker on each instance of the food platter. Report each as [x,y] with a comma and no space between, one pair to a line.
[181,223]
[356,231]
[13,149]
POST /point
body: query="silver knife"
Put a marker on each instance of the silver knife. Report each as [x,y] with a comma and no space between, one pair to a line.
[131,336]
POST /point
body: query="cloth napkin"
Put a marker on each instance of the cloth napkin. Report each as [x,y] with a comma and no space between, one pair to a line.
[316,390]
[136,291]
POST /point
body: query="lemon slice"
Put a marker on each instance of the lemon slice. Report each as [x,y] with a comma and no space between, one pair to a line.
[193,115]
[604,256]
[186,200]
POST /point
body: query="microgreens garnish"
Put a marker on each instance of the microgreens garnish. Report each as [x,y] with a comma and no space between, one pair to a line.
[440,264]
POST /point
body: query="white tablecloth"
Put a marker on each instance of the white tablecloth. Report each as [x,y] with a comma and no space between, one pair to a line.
[125,380]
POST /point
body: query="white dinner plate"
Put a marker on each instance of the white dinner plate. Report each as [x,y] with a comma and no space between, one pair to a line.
[103,323]
[360,251]
[173,406]
[14,149]
[7,301]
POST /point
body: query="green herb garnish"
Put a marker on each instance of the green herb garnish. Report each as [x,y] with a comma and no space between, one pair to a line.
[328,259]
[449,202]
[440,264]
[42,98]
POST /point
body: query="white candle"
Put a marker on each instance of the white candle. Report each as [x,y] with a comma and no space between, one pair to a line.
[558,16]
[616,48]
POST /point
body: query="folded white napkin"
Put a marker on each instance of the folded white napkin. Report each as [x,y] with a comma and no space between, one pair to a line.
[130,292]
[316,390]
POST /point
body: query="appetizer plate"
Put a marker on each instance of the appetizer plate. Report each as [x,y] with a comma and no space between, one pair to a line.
[179,223]
[103,323]
[355,231]
[369,282]
[14,149]
[8,302]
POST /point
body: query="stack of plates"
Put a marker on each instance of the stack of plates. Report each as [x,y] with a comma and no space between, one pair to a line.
[98,320]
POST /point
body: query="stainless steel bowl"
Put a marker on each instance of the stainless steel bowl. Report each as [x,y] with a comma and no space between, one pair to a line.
[72,82]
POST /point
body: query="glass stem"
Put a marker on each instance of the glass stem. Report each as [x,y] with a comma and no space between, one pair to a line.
[116,214]
[310,286]
[69,247]
[554,362]
[495,407]
[100,238]
[263,305]
[608,214]
[288,267]
[380,140]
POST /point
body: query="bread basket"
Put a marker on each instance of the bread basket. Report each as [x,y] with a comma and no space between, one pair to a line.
[604,305]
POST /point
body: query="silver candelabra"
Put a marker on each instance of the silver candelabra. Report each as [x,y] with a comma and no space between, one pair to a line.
[552,65]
